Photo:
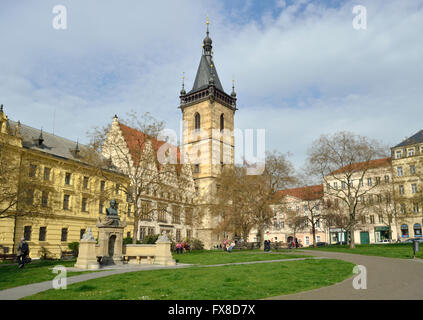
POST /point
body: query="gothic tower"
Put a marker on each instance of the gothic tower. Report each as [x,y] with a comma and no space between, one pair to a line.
[208,125]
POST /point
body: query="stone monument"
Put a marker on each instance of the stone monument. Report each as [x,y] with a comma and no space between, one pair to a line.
[163,251]
[110,238]
[87,257]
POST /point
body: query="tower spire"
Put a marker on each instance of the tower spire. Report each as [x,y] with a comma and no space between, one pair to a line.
[207,42]
[183,92]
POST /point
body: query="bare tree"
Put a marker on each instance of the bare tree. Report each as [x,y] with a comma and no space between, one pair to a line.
[132,147]
[343,160]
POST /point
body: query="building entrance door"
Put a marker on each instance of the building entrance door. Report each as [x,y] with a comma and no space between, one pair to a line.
[364,237]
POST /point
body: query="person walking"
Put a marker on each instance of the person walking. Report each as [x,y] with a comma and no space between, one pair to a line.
[179,247]
[23,252]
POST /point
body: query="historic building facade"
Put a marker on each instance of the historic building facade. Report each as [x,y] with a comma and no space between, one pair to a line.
[54,194]
[208,116]
[407,167]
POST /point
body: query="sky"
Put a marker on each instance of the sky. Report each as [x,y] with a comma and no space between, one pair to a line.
[300,67]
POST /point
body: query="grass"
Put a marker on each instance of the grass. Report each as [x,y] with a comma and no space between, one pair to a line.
[222,257]
[236,282]
[11,276]
[394,250]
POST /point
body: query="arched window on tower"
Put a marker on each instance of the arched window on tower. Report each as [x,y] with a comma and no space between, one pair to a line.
[197,121]
[222,122]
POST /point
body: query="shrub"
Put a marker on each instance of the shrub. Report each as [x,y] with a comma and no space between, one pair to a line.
[196,244]
[44,253]
[129,241]
[74,247]
[150,239]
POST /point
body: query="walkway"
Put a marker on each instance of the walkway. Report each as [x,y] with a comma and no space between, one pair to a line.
[31,289]
[387,279]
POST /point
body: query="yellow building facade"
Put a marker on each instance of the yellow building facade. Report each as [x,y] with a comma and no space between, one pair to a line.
[57,195]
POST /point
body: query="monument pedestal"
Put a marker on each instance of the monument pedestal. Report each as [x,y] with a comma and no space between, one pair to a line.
[163,251]
[110,240]
[87,257]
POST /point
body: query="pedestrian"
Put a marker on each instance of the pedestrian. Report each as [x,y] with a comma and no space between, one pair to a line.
[179,247]
[296,243]
[231,246]
[23,252]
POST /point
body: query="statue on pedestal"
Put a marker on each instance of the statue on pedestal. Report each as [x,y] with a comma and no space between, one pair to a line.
[112,217]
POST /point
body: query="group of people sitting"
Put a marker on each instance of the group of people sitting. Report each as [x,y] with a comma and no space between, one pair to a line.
[181,246]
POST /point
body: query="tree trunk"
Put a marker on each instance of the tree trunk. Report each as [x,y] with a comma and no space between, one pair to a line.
[136,223]
[314,237]
[352,244]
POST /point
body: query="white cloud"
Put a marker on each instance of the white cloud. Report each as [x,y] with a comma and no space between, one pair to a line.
[299,73]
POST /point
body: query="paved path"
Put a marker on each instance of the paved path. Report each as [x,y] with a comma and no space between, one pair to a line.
[31,289]
[387,279]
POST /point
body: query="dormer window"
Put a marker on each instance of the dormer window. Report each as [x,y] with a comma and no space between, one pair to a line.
[398,154]
[411,152]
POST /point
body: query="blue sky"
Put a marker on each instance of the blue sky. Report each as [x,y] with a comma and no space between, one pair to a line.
[301,69]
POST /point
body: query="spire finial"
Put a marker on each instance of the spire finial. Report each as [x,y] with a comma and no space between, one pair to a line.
[1,108]
[233,94]
[207,22]
[207,43]
[41,138]
[183,92]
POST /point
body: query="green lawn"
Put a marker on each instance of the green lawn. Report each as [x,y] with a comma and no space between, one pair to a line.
[237,282]
[11,276]
[397,250]
[222,257]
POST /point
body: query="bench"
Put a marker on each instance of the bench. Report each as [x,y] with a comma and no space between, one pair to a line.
[139,259]
[7,257]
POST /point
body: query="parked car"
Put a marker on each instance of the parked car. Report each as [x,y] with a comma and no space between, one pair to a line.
[319,244]
[412,239]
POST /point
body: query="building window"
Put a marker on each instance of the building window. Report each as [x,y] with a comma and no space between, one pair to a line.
[189,234]
[85,183]
[401,189]
[44,199]
[146,210]
[417,230]
[404,231]
[176,214]
[307,240]
[128,234]
[369,182]
[81,233]
[412,169]
[68,178]
[363,220]
[380,218]
[84,205]
[129,210]
[178,235]
[47,172]
[372,219]
[27,233]
[402,208]
[64,236]
[377,180]
[416,207]
[151,231]
[411,152]
[142,233]
[32,170]
[101,206]
[102,185]
[197,168]
[42,235]
[66,199]
[361,183]
[162,212]
[222,122]
[335,185]
[413,188]
[386,179]
[398,154]
[399,171]
[343,185]
[318,238]
[328,186]
[197,121]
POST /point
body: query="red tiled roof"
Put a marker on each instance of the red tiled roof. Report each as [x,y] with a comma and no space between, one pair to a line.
[136,141]
[372,164]
[303,193]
